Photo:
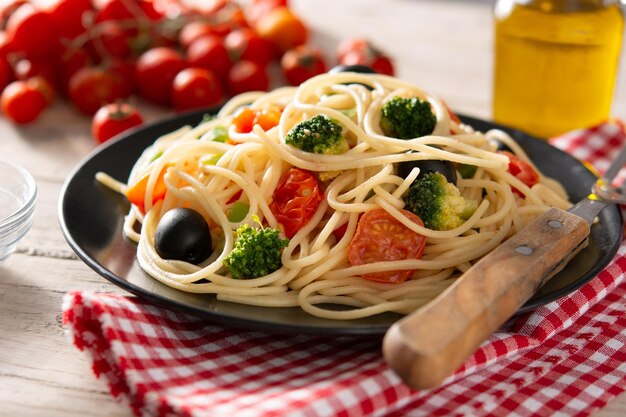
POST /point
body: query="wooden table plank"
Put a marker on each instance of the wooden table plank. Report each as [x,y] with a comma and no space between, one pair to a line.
[442,46]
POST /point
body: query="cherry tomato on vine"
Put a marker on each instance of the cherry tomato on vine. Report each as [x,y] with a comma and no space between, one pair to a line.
[195,88]
[6,73]
[295,200]
[246,118]
[301,63]
[282,28]
[112,40]
[68,15]
[32,32]
[70,63]
[26,68]
[155,72]
[521,170]
[245,44]
[91,87]
[247,76]
[359,51]
[194,30]
[380,237]
[113,119]
[22,102]
[209,52]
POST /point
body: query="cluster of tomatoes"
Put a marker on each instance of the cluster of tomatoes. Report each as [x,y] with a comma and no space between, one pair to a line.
[98,53]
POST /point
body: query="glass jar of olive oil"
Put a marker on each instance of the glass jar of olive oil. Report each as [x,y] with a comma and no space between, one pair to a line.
[555,63]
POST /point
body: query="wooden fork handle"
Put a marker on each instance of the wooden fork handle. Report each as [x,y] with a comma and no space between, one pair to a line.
[427,346]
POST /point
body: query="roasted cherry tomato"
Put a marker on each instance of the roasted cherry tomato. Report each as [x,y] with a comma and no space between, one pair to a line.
[246,118]
[301,63]
[209,52]
[247,76]
[380,237]
[295,200]
[22,102]
[195,88]
[113,119]
[156,69]
[90,88]
[522,170]
[282,28]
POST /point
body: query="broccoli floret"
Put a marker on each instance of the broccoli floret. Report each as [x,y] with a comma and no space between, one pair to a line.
[256,253]
[438,203]
[319,134]
[407,118]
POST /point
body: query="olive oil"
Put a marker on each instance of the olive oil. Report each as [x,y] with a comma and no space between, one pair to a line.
[555,63]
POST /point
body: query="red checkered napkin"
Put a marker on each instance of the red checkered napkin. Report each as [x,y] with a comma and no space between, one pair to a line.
[567,357]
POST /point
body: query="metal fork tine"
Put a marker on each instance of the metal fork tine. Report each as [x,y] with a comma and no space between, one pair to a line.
[618,163]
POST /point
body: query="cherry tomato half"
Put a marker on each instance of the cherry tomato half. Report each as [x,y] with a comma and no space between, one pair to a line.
[301,63]
[195,88]
[113,119]
[155,70]
[380,237]
[295,200]
[521,170]
[246,118]
[22,102]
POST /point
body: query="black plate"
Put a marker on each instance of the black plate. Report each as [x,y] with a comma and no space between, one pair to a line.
[91,218]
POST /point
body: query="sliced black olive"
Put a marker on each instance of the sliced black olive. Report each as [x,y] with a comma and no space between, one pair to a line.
[183,234]
[445,168]
[362,69]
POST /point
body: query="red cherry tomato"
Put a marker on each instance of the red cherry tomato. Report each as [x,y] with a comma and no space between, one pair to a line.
[521,170]
[194,30]
[70,63]
[257,9]
[245,44]
[90,88]
[247,76]
[124,70]
[42,84]
[302,63]
[6,73]
[195,88]
[7,8]
[113,40]
[113,119]
[380,237]
[28,68]
[32,32]
[380,63]
[22,102]
[350,45]
[295,200]
[209,52]
[155,72]
[246,118]
[67,16]
[282,28]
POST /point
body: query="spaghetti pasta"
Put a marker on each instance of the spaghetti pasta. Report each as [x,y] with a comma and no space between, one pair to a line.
[316,275]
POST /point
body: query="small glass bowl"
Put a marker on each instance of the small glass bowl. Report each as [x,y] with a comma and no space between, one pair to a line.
[18,193]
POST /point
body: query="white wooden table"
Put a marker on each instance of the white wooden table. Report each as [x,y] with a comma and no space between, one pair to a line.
[443,46]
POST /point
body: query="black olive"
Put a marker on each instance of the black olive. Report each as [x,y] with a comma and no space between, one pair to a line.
[445,168]
[183,234]
[362,69]
[500,146]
